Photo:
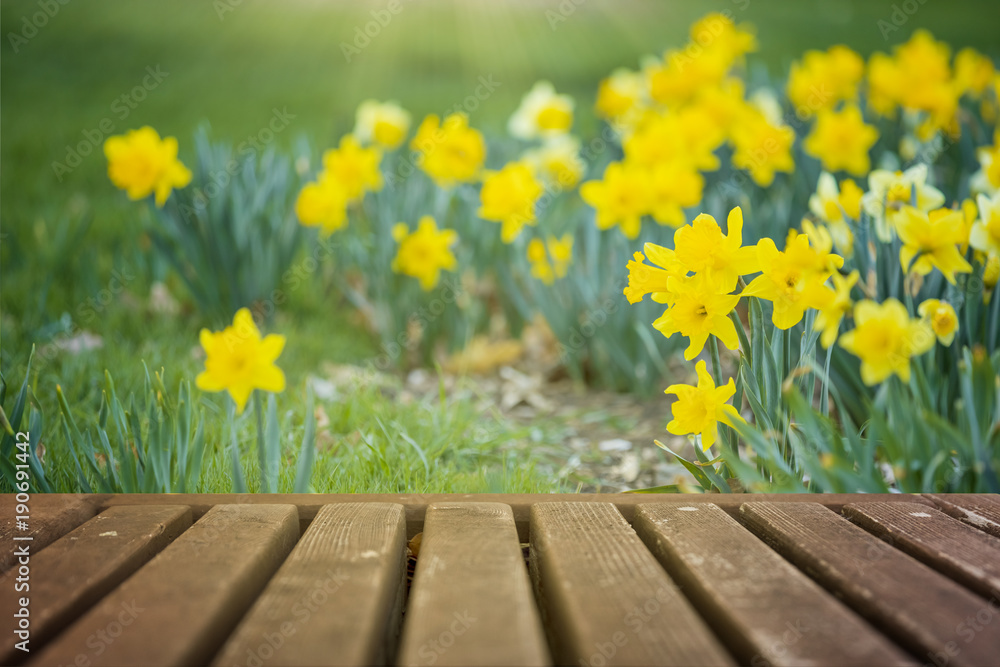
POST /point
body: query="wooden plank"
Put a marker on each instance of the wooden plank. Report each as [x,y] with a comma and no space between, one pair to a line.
[604,598]
[75,571]
[765,610]
[981,511]
[179,607]
[920,608]
[338,598]
[50,516]
[969,556]
[416,504]
[471,601]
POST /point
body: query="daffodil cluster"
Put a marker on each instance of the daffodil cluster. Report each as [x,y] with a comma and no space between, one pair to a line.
[673,116]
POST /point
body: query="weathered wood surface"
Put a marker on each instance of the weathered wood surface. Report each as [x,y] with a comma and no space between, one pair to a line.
[78,569]
[766,610]
[416,504]
[49,518]
[917,606]
[604,597]
[981,511]
[969,556]
[180,607]
[337,599]
[471,580]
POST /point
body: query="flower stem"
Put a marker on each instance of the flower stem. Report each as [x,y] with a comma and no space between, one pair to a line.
[261,454]
[713,344]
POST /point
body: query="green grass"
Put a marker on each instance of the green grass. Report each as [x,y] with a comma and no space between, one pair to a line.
[62,240]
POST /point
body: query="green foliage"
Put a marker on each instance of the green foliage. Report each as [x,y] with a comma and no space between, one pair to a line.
[231,234]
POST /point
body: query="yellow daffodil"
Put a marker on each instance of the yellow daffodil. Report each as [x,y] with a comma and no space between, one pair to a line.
[991,270]
[687,138]
[700,308]
[985,232]
[674,187]
[841,140]
[918,78]
[885,338]
[718,31]
[676,80]
[621,198]
[888,192]
[450,152]
[356,168]
[701,247]
[822,79]
[238,360]
[761,147]
[931,240]
[942,318]
[384,123]
[831,304]
[323,204]
[644,279]
[619,95]
[550,258]
[973,72]
[424,252]
[987,179]
[508,196]
[789,277]
[557,161]
[142,164]
[542,113]
[700,409]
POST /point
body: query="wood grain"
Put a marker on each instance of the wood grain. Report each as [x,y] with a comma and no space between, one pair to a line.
[416,504]
[471,602]
[50,516]
[979,510]
[765,609]
[179,607]
[75,571]
[917,606]
[604,597]
[969,556]
[336,600]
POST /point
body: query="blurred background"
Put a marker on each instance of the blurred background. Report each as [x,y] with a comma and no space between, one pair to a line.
[73,73]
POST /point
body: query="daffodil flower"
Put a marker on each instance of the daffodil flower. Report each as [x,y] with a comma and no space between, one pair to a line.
[238,360]
[885,338]
[701,247]
[841,140]
[142,164]
[942,318]
[931,241]
[700,308]
[424,252]
[700,409]
[508,196]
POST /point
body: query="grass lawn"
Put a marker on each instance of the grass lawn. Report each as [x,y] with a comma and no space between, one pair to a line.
[74,255]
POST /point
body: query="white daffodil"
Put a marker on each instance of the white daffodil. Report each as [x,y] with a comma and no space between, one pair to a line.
[542,113]
[889,191]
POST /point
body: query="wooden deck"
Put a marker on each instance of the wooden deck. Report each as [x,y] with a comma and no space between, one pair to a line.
[591,580]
